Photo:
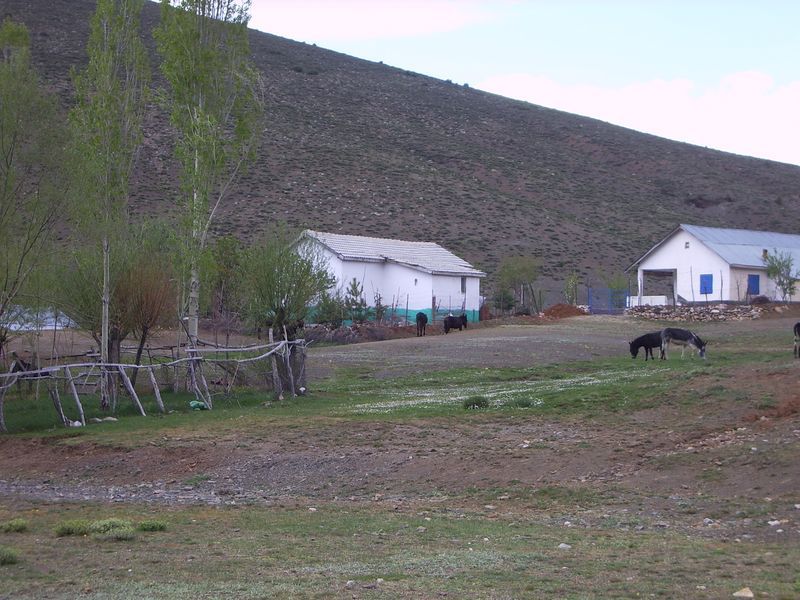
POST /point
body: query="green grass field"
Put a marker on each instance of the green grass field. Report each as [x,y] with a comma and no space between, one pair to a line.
[514,542]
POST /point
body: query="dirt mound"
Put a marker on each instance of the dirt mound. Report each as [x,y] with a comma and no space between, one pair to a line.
[362,332]
[561,311]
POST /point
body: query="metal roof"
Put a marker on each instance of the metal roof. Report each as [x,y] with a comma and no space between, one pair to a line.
[738,247]
[424,256]
[744,247]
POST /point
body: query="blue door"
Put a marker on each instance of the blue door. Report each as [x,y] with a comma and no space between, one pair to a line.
[753,285]
[706,284]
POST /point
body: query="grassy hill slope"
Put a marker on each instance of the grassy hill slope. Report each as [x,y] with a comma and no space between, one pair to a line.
[357,147]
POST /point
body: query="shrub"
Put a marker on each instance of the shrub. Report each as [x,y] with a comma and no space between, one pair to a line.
[116,534]
[8,556]
[152,525]
[112,529]
[106,525]
[73,527]
[476,402]
[330,310]
[522,403]
[14,526]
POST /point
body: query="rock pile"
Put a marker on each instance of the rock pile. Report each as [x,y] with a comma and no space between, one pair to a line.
[712,312]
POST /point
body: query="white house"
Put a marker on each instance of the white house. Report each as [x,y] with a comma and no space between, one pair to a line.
[411,276]
[694,264]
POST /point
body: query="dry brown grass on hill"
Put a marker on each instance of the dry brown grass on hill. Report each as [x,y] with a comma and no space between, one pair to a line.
[356,147]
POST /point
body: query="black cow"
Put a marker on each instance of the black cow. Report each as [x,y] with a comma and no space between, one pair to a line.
[452,322]
[648,341]
[422,322]
[797,340]
[683,338]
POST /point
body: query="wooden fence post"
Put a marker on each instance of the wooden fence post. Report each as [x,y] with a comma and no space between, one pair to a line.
[131,391]
[75,395]
[156,391]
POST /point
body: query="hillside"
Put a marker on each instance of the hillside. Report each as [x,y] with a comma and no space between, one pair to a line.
[357,147]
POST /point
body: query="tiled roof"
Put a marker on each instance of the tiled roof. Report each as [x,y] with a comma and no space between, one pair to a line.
[425,256]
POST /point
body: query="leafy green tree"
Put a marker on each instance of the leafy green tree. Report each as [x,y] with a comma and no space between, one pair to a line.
[278,287]
[107,120]
[504,300]
[215,100]
[330,309]
[780,268]
[518,274]
[354,302]
[33,163]
[571,288]
[278,284]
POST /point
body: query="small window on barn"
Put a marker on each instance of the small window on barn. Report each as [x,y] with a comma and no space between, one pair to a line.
[463,285]
[706,284]
[415,281]
[686,245]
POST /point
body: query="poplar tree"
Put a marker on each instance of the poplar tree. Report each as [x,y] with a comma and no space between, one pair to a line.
[32,165]
[215,101]
[107,119]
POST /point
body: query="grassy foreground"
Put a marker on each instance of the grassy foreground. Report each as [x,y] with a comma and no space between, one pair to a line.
[336,550]
[461,547]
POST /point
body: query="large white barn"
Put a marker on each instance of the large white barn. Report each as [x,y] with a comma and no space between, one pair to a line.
[411,276]
[694,264]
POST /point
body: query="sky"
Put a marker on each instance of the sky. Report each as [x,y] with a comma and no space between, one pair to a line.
[718,73]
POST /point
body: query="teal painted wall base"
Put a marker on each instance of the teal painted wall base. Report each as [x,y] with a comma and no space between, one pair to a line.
[410,316]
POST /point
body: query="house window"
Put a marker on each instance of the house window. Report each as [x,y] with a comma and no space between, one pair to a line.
[463,285]
[753,285]
[706,284]
[415,281]
[686,245]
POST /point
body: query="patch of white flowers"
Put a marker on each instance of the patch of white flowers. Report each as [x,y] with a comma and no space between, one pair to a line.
[497,393]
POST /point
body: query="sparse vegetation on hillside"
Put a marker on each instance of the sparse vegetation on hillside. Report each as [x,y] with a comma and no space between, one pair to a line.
[360,147]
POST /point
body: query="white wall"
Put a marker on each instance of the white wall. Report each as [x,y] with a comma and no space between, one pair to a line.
[395,283]
[689,263]
[447,289]
[404,286]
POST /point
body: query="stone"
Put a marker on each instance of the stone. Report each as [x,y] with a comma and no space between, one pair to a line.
[744,593]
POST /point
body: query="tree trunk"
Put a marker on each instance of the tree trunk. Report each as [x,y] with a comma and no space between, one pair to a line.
[2,402]
[139,351]
[105,376]
[289,371]
[193,309]
[277,387]
[114,356]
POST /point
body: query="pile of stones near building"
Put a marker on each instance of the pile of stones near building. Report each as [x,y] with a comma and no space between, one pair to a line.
[705,312]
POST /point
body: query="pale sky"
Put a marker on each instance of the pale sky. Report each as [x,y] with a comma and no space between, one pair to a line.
[718,73]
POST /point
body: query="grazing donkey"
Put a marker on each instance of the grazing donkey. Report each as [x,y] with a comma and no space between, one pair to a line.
[422,322]
[648,341]
[797,340]
[683,338]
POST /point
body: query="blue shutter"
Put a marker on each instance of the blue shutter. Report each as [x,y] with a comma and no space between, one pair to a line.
[753,285]
[706,284]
